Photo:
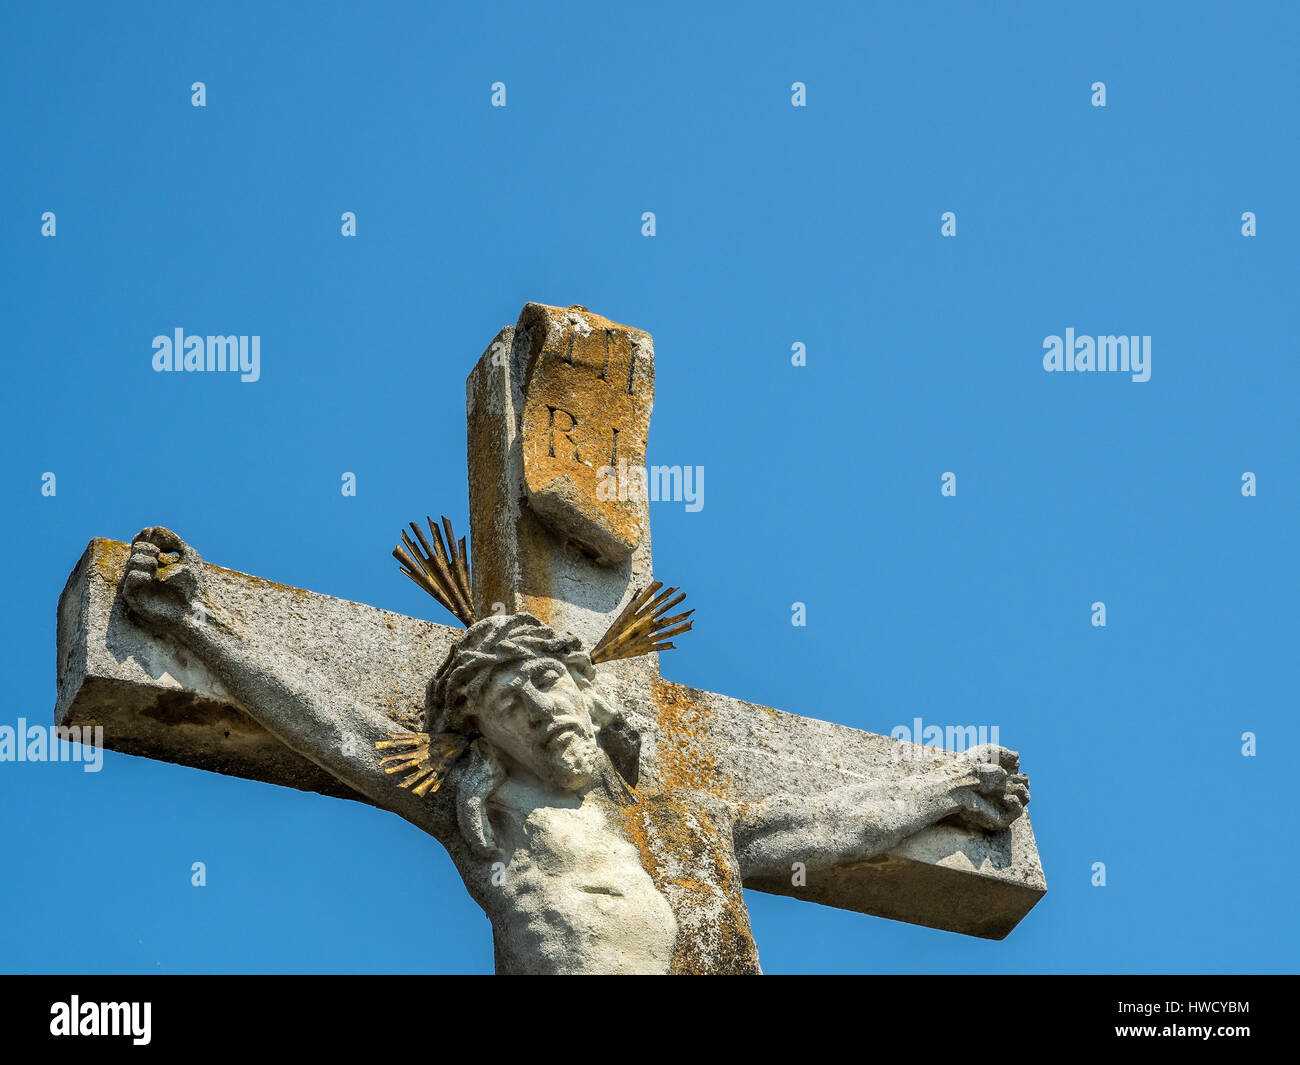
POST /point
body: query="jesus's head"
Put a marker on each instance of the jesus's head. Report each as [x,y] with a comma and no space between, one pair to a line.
[530,694]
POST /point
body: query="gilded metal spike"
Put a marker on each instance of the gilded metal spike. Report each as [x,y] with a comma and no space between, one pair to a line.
[426,586]
[670,603]
[647,629]
[449,567]
[436,565]
[451,538]
[419,774]
[462,570]
[428,560]
[629,611]
[425,759]
[445,576]
[642,627]
[676,630]
[410,557]
[403,739]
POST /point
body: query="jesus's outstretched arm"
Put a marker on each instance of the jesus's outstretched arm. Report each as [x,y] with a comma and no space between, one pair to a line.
[163,587]
[982,788]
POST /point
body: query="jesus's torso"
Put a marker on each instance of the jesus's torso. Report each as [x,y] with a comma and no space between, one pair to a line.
[575,893]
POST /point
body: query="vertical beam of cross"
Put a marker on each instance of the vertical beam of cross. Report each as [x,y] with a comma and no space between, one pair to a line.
[557,406]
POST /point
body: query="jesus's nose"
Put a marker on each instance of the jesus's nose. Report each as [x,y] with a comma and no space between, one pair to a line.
[542,711]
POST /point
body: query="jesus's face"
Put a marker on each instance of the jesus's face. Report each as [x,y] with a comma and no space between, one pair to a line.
[534,713]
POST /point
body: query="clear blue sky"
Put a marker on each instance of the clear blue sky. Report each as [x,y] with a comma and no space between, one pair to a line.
[776,225]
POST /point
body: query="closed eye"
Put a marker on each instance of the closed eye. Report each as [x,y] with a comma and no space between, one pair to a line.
[514,701]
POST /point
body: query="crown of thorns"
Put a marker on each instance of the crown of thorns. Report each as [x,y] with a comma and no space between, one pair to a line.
[441,568]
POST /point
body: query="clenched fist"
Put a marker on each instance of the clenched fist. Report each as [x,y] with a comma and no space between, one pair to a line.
[164,578]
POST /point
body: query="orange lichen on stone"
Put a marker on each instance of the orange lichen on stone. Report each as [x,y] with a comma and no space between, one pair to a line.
[488,502]
[681,826]
[588,393]
[536,545]
[687,852]
[685,757]
[109,559]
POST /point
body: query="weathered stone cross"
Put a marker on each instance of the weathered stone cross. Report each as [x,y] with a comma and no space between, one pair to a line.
[285,686]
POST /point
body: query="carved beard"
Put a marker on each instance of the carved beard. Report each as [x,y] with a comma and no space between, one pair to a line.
[574,765]
[585,765]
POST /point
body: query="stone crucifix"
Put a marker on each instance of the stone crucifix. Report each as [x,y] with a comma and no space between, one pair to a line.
[604,818]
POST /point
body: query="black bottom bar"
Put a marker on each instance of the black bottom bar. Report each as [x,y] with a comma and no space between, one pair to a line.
[974,1014]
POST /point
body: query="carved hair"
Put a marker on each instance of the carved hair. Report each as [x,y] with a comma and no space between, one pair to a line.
[496,641]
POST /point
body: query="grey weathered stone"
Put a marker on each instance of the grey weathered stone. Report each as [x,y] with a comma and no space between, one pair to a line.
[588,390]
[520,561]
[603,817]
[159,700]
